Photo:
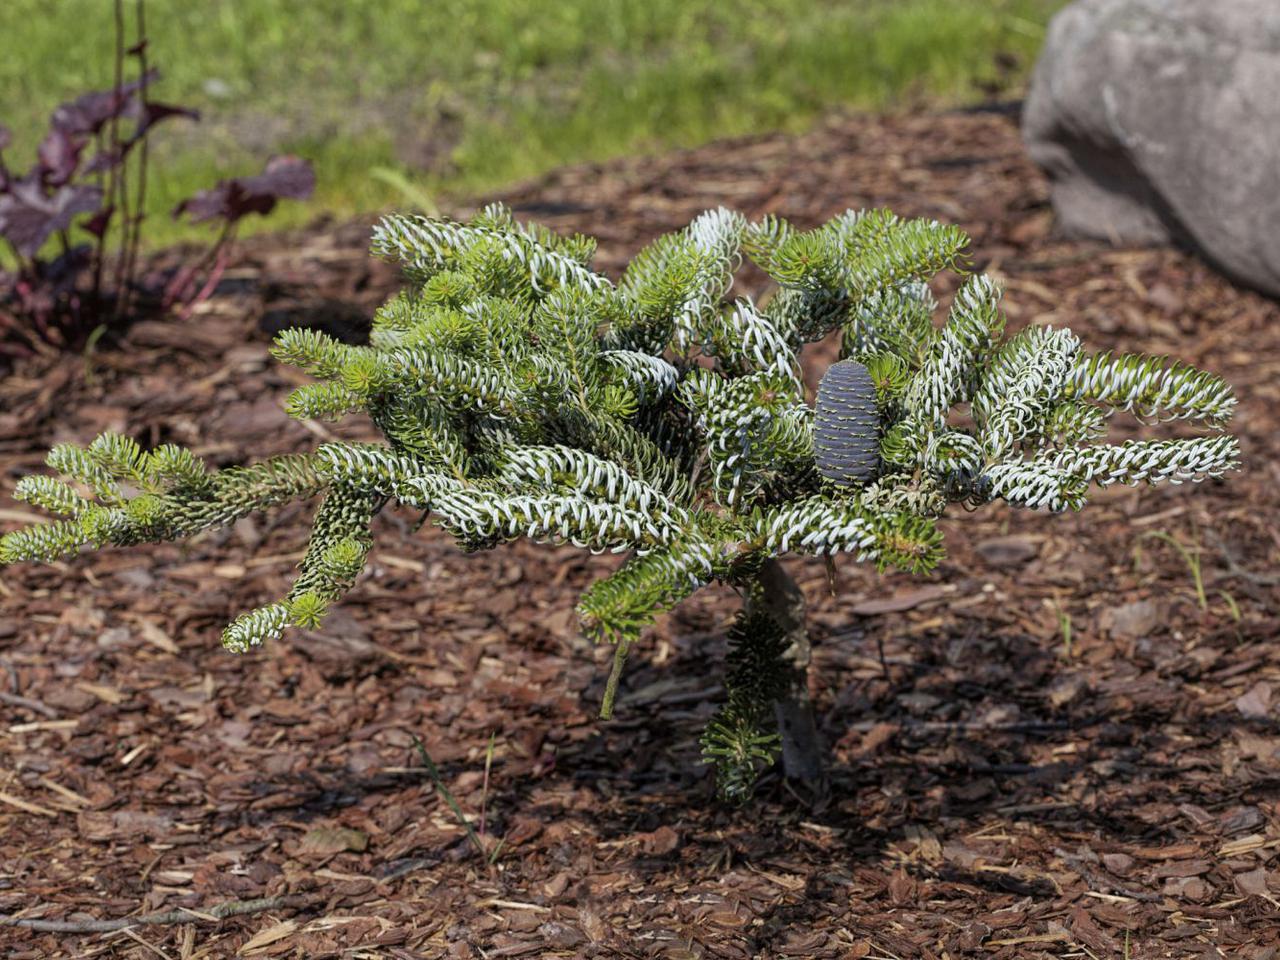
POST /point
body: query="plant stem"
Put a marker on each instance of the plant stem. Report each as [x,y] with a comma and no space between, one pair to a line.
[134,224]
[99,241]
[484,790]
[434,773]
[781,599]
[116,175]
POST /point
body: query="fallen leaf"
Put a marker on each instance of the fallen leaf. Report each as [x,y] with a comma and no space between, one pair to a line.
[902,889]
[876,737]
[156,637]
[1132,620]
[1244,845]
[593,925]
[264,938]
[118,824]
[906,600]
[522,830]
[103,693]
[660,842]
[1183,868]
[1117,863]
[325,841]
[1010,551]
[957,853]
[1240,819]
[1265,749]
[1256,703]
[1253,883]
[1191,888]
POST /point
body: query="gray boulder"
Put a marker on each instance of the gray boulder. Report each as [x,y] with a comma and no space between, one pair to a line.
[1159,121]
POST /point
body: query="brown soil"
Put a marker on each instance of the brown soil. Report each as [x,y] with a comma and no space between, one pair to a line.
[999,792]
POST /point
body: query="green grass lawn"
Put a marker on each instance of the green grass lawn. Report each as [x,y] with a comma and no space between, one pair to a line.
[466,95]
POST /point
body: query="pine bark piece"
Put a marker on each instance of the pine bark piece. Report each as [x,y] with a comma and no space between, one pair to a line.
[847,427]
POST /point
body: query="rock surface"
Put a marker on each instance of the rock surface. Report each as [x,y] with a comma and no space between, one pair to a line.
[1159,121]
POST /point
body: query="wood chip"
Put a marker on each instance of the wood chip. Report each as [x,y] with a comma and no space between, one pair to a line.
[65,792]
[157,637]
[26,806]
[105,694]
[1057,936]
[38,725]
[265,938]
[1255,841]
[513,905]
[401,563]
[899,602]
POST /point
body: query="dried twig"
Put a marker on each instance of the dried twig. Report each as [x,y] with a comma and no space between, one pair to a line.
[26,703]
[234,908]
[1234,565]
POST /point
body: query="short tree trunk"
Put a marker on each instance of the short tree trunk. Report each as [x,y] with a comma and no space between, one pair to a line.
[781,598]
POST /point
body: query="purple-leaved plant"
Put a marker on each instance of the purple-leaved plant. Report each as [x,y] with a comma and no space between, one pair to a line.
[72,221]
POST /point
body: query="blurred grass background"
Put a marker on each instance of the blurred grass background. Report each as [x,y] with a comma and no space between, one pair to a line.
[465,96]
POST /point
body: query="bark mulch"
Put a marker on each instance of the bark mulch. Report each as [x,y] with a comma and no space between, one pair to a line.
[1065,752]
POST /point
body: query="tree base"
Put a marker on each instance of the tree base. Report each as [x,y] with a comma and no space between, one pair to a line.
[780,597]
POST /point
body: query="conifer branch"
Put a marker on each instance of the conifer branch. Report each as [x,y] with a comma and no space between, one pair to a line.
[1153,387]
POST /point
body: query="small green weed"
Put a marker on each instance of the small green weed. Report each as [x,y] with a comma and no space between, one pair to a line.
[490,857]
[1064,627]
[1190,556]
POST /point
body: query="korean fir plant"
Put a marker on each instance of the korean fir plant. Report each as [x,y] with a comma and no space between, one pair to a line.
[522,394]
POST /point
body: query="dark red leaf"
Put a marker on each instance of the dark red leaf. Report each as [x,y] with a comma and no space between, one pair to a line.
[106,159]
[284,178]
[97,224]
[145,115]
[58,156]
[29,216]
[88,113]
[138,48]
[149,113]
[208,204]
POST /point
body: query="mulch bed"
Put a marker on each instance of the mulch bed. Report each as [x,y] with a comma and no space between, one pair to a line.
[1062,753]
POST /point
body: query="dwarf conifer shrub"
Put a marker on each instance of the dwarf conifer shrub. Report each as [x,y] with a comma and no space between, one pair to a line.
[522,394]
